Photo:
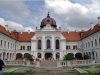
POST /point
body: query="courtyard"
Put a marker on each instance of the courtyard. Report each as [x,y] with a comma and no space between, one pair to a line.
[46,68]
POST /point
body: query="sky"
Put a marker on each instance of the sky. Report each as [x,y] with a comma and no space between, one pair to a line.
[70,15]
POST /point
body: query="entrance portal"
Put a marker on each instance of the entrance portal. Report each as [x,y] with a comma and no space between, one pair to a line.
[48,56]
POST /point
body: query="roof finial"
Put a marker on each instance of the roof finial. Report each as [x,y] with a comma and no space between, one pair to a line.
[48,14]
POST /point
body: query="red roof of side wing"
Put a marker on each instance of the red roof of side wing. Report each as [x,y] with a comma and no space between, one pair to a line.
[25,36]
[72,36]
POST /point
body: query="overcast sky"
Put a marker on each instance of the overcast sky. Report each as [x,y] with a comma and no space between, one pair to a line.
[24,15]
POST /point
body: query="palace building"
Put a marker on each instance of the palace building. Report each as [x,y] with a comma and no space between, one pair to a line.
[49,41]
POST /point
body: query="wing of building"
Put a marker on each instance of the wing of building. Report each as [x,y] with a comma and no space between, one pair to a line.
[49,41]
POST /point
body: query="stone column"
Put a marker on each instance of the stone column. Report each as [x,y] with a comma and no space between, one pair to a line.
[43,43]
[43,55]
[61,55]
[53,43]
[2,56]
[54,55]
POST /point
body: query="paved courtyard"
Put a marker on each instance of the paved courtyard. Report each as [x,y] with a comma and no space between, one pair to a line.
[42,71]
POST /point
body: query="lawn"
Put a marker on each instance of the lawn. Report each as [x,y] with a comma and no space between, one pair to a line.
[92,70]
[12,73]
[88,74]
[20,71]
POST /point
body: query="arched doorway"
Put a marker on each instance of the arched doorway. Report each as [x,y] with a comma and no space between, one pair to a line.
[78,56]
[48,56]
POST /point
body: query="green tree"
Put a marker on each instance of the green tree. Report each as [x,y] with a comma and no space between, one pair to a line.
[19,56]
[69,56]
[27,56]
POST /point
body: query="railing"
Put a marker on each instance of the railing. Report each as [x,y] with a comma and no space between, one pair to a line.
[59,63]
[77,62]
[48,49]
[18,63]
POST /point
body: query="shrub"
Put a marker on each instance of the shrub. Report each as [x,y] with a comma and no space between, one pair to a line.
[19,56]
[27,56]
[69,56]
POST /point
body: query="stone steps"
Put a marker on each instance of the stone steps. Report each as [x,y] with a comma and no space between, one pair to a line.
[55,71]
[48,64]
[50,68]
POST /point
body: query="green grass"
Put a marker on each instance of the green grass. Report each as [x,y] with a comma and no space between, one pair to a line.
[88,74]
[12,73]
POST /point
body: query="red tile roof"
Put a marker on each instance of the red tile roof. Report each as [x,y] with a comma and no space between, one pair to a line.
[5,32]
[24,37]
[95,29]
[72,36]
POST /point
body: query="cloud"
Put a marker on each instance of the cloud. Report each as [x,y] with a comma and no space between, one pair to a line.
[17,11]
[14,25]
[74,15]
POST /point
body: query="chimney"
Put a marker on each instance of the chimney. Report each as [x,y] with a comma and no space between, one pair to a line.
[6,27]
[68,30]
[92,25]
[28,31]
[21,32]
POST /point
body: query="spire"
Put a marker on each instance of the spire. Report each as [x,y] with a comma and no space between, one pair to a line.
[48,15]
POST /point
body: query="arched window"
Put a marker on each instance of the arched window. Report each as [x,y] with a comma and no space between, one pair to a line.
[39,44]
[48,44]
[57,44]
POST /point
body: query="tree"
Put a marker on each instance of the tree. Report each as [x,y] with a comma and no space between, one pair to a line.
[19,56]
[27,56]
[69,56]
[78,56]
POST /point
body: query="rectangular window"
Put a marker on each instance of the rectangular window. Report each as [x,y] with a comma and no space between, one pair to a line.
[67,47]
[89,44]
[92,43]
[86,45]
[21,48]
[74,47]
[5,44]
[1,43]
[95,42]
[8,45]
[28,47]
[99,41]
[11,45]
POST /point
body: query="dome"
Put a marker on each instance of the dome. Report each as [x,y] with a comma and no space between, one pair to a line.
[48,20]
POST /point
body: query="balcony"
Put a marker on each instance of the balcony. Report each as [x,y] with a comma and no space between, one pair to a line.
[71,50]
[48,49]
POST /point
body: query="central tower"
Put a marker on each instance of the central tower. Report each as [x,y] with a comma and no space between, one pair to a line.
[48,20]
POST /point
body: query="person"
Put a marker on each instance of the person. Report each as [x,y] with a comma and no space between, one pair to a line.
[1,66]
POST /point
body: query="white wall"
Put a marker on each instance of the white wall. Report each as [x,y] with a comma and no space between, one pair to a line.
[95,49]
